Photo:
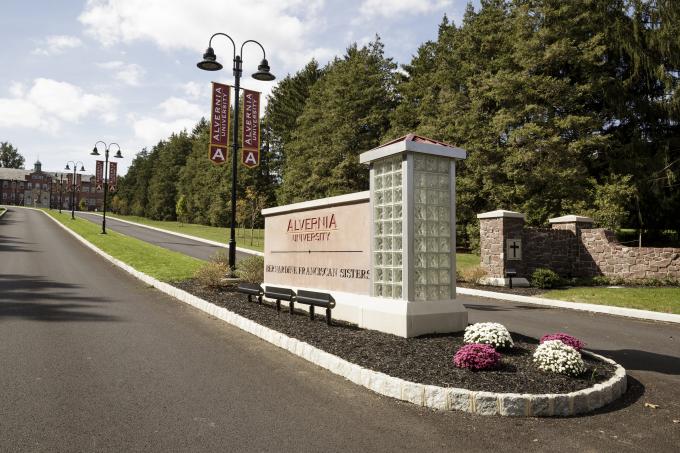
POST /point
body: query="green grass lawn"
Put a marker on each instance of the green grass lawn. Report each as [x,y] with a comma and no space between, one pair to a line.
[160,263]
[665,300]
[465,261]
[218,234]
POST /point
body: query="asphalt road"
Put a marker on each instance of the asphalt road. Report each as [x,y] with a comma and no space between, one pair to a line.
[93,360]
[197,249]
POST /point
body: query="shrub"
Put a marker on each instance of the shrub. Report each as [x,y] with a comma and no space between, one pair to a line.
[600,280]
[476,357]
[473,274]
[490,333]
[556,357]
[564,338]
[251,269]
[221,257]
[211,275]
[544,278]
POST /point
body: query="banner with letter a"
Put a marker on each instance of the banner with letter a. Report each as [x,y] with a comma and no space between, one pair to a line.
[250,155]
[99,176]
[113,176]
[79,180]
[69,182]
[219,123]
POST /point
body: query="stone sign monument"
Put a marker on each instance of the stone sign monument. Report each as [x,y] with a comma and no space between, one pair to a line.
[387,255]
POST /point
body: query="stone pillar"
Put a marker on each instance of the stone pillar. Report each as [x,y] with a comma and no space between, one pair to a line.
[577,252]
[413,235]
[495,229]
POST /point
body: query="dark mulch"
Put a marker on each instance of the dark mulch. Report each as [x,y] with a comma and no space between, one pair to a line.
[427,359]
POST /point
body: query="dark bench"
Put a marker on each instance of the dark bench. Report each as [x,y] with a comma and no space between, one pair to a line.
[314,299]
[251,289]
[280,294]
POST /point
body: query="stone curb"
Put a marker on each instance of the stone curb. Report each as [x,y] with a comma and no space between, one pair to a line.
[182,235]
[3,212]
[440,398]
[593,308]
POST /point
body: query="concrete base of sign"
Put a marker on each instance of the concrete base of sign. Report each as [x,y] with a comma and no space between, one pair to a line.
[519,282]
[398,317]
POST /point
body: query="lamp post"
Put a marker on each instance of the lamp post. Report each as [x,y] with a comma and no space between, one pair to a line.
[210,63]
[61,189]
[73,185]
[118,155]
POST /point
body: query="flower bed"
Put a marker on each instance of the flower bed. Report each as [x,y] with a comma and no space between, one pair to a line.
[426,359]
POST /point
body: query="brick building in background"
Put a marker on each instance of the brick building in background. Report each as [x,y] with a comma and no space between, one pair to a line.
[41,189]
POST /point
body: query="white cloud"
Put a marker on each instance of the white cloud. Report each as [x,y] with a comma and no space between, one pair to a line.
[152,130]
[282,26]
[49,104]
[17,89]
[195,90]
[57,44]
[175,107]
[391,8]
[128,73]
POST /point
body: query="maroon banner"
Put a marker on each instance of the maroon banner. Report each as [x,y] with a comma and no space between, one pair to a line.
[99,175]
[69,181]
[113,175]
[250,156]
[219,123]
[78,182]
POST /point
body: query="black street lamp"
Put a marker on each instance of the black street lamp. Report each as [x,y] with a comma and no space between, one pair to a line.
[73,185]
[118,155]
[61,189]
[210,63]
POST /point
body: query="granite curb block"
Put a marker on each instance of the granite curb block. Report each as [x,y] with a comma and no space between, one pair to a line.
[593,308]
[182,235]
[441,398]
[2,213]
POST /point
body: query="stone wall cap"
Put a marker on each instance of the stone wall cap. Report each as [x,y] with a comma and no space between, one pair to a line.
[501,213]
[339,200]
[412,143]
[571,219]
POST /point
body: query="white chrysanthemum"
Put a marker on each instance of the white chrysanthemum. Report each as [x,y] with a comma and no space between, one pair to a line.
[557,357]
[490,333]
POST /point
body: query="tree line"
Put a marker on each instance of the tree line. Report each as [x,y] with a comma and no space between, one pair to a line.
[563,107]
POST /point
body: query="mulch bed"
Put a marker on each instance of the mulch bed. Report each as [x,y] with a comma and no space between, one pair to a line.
[520,291]
[427,359]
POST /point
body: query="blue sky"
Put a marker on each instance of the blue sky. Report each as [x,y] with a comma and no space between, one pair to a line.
[124,71]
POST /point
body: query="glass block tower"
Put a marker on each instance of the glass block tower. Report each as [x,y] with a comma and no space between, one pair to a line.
[412,187]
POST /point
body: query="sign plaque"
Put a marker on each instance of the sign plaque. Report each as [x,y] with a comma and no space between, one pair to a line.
[514,249]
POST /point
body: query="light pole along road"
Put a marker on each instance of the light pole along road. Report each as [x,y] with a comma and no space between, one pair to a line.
[94,360]
[210,63]
[106,175]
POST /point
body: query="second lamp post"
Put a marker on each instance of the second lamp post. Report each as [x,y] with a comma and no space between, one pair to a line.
[210,63]
[73,185]
[118,155]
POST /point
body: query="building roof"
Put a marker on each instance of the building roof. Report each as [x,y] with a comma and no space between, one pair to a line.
[414,143]
[14,173]
[21,173]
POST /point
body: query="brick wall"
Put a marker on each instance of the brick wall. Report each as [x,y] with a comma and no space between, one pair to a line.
[571,247]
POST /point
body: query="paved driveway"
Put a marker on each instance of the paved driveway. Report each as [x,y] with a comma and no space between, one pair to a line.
[93,360]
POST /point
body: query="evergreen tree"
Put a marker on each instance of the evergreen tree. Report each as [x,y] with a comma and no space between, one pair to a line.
[346,114]
[10,157]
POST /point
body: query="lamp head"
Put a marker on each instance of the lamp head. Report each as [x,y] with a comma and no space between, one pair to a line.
[67,167]
[94,152]
[209,62]
[263,72]
[118,155]
[82,168]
